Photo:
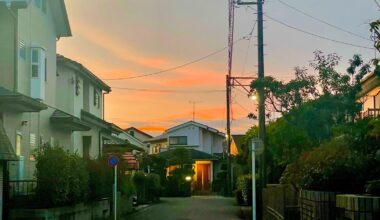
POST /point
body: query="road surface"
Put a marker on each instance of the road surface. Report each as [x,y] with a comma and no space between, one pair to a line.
[190,208]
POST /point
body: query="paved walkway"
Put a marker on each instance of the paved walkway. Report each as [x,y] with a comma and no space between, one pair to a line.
[191,208]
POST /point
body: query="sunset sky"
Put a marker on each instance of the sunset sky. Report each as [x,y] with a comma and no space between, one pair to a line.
[122,38]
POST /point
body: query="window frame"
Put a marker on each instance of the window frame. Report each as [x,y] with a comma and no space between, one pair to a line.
[178,142]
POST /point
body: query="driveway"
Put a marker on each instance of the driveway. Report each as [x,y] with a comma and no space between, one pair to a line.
[191,208]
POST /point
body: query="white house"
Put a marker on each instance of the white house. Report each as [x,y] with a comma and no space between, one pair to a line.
[370,95]
[206,145]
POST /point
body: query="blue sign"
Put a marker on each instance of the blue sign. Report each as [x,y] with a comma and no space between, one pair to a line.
[112,161]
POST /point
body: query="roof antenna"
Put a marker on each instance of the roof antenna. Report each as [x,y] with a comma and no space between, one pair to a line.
[194,103]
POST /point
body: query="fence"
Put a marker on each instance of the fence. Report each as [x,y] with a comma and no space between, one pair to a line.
[356,207]
[316,205]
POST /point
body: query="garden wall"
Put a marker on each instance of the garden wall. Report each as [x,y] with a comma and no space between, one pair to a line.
[356,207]
[317,205]
[95,210]
[280,202]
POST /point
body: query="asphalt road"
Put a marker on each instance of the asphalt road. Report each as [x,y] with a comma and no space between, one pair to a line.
[191,208]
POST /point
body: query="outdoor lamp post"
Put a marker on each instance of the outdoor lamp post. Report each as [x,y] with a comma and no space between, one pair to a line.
[256,147]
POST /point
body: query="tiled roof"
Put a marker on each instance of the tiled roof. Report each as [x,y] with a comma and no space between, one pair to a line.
[195,155]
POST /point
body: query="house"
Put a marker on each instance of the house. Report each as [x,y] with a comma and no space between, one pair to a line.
[206,146]
[81,98]
[140,135]
[370,96]
[28,81]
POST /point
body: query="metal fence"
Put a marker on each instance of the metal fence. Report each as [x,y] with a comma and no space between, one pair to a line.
[22,188]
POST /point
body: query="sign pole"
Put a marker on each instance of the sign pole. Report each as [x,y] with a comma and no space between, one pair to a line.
[115,193]
[253,149]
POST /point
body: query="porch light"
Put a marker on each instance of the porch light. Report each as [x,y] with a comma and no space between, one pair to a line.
[188,178]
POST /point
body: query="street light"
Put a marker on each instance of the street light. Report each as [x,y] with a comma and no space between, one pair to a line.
[188,178]
[253,95]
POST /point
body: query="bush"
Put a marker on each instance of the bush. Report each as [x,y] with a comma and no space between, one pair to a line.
[332,167]
[373,188]
[176,185]
[244,190]
[101,179]
[148,187]
[61,177]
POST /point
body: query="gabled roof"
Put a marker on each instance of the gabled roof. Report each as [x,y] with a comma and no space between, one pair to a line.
[139,131]
[163,136]
[61,20]
[369,83]
[213,130]
[83,71]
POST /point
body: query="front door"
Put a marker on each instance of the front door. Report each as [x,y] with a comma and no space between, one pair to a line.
[203,177]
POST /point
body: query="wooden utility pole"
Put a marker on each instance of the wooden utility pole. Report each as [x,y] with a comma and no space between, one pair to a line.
[260,91]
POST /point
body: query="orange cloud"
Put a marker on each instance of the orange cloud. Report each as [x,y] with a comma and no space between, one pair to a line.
[152,129]
[117,47]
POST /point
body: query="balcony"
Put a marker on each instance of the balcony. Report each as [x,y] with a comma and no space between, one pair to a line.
[371,113]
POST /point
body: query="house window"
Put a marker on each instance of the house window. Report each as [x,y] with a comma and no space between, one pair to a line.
[96,98]
[18,143]
[38,62]
[178,140]
[132,133]
[32,144]
[35,62]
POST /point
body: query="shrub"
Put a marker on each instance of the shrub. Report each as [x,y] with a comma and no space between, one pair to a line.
[332,167]
[100,179]
[176,185]
[61,177]
[148,186]
[373,188]
[244,190]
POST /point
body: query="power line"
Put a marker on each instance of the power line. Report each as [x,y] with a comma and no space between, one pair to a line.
[322,21]
[177,67]
[248,47]
[312,34]
[169,91]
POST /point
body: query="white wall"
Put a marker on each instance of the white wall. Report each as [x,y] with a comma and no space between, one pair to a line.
[192,132]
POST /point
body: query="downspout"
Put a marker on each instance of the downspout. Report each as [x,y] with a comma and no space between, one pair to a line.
[100,144]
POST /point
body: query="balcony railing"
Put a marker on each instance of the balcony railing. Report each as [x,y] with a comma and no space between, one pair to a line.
[22,188]
[371,113]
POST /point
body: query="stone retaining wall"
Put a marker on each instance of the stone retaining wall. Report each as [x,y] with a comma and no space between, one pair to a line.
[95,210]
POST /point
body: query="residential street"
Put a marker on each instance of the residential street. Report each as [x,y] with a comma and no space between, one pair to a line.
[192,208]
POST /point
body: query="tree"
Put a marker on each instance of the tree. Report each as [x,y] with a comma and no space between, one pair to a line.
[282,97]
[375,29]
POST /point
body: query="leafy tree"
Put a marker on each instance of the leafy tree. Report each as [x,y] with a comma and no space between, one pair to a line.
[181,157]
[375,29]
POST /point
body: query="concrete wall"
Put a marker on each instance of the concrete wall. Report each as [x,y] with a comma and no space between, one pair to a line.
[7,48]
[192,132]
[95,210]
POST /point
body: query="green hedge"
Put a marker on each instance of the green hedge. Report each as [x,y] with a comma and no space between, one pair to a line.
[148,187]
[62,177]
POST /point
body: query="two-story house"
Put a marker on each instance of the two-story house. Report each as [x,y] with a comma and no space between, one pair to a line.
[81,105]
[206,146]
[370,96]
[28,79]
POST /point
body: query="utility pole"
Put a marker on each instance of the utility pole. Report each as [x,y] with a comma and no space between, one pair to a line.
[260,91]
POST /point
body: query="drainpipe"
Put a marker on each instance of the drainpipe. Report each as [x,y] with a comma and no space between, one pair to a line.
[100,144]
